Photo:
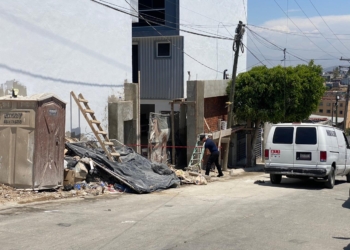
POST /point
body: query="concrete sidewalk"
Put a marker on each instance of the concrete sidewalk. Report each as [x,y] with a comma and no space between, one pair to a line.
[234,172]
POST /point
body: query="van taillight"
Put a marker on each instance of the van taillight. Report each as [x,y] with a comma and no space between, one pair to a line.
[267,154]
[323,156]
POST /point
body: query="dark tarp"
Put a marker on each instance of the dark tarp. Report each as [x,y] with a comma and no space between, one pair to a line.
[136,171]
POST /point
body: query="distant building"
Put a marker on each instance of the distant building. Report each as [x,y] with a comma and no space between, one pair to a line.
[327,107]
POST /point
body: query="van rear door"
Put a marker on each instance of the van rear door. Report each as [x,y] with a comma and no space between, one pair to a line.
[281,148]
[305,147]
[341,163]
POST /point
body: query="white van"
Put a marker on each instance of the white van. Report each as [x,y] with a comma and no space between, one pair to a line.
[307,150]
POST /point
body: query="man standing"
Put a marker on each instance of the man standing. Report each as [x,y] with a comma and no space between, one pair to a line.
[214,155]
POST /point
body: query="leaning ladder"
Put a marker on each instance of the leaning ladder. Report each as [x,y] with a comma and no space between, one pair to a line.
[196,158]
[99,133]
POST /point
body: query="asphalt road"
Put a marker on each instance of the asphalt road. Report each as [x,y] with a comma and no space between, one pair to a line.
[241,213]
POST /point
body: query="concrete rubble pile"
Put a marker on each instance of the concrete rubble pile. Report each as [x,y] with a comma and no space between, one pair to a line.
[134,173]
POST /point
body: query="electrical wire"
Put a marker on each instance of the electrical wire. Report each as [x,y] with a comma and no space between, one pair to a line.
[328,26]
[301,30]
[259,50]
[317,28]
[171,42]
[280,48]
[295,33]
[253,54]
[107,4]
[245,12]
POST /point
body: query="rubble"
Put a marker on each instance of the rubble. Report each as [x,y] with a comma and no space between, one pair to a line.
[89,173]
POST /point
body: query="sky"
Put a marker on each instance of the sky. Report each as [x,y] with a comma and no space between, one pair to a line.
[307,29]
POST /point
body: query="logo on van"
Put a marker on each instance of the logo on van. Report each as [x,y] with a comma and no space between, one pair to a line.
[275,153]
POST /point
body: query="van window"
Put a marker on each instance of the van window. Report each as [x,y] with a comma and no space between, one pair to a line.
[283,135]
[306,136]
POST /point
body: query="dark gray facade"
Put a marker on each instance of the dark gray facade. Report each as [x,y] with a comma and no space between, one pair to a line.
[166,26]
[161,77]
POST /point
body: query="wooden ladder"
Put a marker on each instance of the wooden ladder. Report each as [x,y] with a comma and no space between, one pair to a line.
[99,133]
[196,158]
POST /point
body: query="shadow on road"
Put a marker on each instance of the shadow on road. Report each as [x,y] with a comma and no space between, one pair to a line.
[295,183]
[343,238]
[346,204]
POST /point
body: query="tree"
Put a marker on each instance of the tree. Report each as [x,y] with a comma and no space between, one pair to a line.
[276,95]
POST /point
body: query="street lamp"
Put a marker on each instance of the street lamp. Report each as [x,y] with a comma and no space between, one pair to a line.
[336,110]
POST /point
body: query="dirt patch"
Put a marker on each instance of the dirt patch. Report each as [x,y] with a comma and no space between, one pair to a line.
[12,195]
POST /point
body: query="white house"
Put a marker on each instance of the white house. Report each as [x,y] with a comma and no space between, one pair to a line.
[61,46]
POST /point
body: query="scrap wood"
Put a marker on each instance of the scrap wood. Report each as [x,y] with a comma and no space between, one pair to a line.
[182,176]
[207,124]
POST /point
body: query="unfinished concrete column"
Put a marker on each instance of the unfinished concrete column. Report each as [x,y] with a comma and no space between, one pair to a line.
[195,113]
[118,113]
[131,93]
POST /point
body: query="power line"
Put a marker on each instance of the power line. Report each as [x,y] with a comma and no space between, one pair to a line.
[161,20]
[280,48]
[253,54]
[297,34]
[316,27]
[301,30]
[327,25]
[263,42]
[170,41]
[108,5]
[260,51]
[245,12]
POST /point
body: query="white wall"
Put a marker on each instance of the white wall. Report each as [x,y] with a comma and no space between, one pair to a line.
[213,18]
[62,46]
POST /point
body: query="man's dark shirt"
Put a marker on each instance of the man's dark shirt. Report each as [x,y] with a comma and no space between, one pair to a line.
[209,144]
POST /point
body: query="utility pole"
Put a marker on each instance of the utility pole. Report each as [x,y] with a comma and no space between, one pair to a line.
[344,59]
[336,110]
[346,108]
[284,57]
[236,46]
[347,98]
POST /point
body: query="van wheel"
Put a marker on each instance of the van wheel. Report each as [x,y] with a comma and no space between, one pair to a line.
[348,177]
[331,179]
[275,178]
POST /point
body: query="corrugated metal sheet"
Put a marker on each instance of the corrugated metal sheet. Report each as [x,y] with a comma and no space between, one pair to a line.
[161,78]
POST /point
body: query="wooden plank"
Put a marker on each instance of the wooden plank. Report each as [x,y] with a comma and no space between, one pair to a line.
[207,124]
[219,146]
[172,134]
[95,122]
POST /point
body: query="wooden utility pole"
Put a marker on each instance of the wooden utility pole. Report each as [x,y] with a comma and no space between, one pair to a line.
[346,108]
[236,46]
[347,96]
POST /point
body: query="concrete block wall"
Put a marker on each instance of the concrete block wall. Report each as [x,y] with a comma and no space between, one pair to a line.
[214,110]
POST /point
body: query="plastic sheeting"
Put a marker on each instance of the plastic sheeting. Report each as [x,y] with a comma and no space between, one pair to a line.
[136,171]
[159,132]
